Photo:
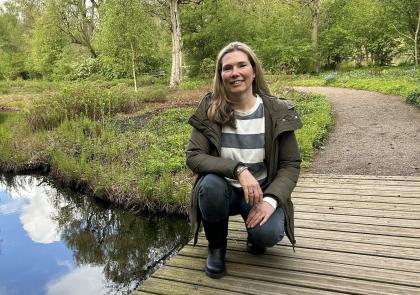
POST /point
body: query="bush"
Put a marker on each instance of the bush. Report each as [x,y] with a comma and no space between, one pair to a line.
[414,98]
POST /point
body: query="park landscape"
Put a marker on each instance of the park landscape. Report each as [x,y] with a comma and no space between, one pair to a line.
[97,96]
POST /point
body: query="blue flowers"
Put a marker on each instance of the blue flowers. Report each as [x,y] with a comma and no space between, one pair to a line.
[330,76]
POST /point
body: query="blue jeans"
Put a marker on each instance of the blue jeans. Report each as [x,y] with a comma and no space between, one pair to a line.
[218,200]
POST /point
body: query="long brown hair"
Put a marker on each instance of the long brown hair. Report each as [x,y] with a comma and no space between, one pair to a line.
[221,110]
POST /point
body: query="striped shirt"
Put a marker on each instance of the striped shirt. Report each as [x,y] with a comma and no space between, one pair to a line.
[246,143]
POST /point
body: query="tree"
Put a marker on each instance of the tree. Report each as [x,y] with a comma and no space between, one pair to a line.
[79,21]
[314,8]
[161,9]
[123,38]
[12,44]
[47,41]
[406,14]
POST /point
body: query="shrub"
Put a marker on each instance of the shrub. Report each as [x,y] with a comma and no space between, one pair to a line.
[414,98]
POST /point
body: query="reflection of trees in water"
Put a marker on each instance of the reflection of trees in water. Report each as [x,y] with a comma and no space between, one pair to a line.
[126,244]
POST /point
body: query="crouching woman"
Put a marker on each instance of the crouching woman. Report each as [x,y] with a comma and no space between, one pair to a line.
[245,153]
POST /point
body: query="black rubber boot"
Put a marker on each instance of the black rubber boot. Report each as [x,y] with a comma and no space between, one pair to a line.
[216,234]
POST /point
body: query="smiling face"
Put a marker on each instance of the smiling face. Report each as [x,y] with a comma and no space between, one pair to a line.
[237,74]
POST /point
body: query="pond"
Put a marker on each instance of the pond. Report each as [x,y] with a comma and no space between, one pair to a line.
[54,241]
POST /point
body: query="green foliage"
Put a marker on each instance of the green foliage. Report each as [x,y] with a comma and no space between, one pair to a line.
[73,40]
[206,29]
[123,40]
[414,98]
[89,100]
[12,45]
[391,80]
[47,42]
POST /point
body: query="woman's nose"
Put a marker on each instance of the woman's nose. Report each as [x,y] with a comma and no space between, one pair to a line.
[235,71]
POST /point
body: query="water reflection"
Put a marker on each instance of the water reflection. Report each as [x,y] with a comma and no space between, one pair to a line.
[67,244]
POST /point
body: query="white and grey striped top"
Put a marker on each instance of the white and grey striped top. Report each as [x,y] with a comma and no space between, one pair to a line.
[246,143]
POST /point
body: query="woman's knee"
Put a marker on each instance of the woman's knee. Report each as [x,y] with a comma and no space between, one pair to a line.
[265,236]
[213,198]
[269,233]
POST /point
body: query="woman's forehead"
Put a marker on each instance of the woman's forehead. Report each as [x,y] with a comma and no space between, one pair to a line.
[234,57]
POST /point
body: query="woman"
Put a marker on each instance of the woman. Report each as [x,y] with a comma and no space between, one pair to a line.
[245,153]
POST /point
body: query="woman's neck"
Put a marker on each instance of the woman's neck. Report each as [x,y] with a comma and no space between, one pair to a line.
[244,103]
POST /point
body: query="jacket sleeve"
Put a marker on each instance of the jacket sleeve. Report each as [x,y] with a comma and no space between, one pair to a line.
[200,160]
[288,168]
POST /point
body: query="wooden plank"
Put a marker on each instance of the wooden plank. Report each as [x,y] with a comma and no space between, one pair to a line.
[313,266]
[383,230]
[355,191]
[157,285]
[358,259]
[358,205]
[346,236]
[355,223]
[246,272]
[415,178]
[362,187]
[229,282]
[398,223]
[348,247]
[354,181]
[348,227]
[356,198]
[350,212]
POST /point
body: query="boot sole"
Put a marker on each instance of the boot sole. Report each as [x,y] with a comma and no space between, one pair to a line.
[214,275]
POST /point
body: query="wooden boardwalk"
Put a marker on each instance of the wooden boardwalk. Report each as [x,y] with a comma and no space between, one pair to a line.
[355,235]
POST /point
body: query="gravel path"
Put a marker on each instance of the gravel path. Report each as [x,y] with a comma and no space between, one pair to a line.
[374,134]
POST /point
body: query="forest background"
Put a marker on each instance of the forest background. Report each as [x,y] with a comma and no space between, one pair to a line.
[98,92]
[113,39]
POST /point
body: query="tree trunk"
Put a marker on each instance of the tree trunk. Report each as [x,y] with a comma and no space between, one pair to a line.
[176,70]
[314,4]
[133,57]
[416,39]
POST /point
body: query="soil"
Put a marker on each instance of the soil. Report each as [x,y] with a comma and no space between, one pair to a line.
[374,134]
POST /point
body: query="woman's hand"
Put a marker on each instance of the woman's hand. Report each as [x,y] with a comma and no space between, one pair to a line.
[252,190]
[259,214]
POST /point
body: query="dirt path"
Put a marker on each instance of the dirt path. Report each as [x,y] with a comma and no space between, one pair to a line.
[374,134]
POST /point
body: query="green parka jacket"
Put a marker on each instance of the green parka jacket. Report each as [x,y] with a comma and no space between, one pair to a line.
[281,156]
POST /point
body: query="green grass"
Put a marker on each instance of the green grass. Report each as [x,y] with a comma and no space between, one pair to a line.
[20,147]
[403,81]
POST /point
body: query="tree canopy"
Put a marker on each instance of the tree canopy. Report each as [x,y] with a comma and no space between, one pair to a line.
[68,40]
